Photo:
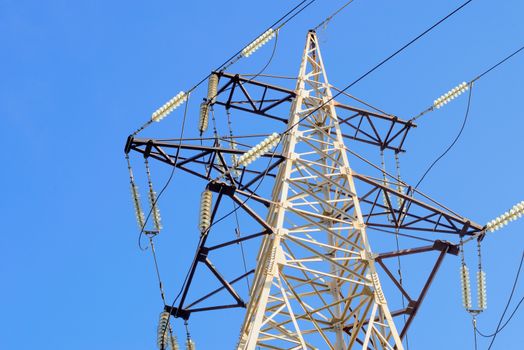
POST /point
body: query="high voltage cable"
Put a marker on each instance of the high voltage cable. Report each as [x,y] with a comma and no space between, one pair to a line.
[452,143]
[497,64]
[470,84]
[502,61]
[235,57]
[498,329]
[330,17]
[505,323]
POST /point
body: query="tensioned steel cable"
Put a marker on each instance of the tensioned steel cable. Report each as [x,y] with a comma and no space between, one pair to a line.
[470,84]
[498,329]
[498,64]
[330,17]
[452,143]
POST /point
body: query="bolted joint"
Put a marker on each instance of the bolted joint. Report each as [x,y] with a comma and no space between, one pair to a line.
[129,142]
[202,254]
[220,187]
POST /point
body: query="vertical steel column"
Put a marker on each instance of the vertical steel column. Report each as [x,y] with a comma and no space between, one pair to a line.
[316,273]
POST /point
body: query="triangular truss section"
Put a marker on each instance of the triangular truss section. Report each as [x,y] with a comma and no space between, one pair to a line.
[316,274]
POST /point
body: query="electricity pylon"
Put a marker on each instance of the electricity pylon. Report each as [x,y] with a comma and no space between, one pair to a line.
[316,275]
[315,283]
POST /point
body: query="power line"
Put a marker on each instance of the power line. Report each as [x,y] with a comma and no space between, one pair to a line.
[498,329]
[505,323]
[330,17]
[502,61]
[454,141]
[498,64]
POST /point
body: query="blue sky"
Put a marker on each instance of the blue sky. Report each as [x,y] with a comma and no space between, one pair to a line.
[78,77]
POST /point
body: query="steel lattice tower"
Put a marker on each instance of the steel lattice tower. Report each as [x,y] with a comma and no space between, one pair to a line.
[316,274]
[316,284]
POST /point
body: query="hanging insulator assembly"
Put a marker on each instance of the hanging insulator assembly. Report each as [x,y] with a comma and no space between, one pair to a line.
[258,42]
[169,106]
[155,212]
[482,298]
[140,218]
[190,345]
[205,211]
[203,121]
[466,287]
[162,333]
[212,88]
[173,342]
[450,95]
[257,151]
[513,214]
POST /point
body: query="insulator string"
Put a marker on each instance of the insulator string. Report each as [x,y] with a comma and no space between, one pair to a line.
[139,213]
[206,200]
[157,223]
[257,151]
[464,279]
[161,335]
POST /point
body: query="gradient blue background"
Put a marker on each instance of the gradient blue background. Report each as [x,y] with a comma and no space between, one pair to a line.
[76,77]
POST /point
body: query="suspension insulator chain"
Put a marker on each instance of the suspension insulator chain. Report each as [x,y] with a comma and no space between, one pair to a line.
[155,212]
[205,211]
[464,279]
[482,298]
[139,213]
[162,330]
